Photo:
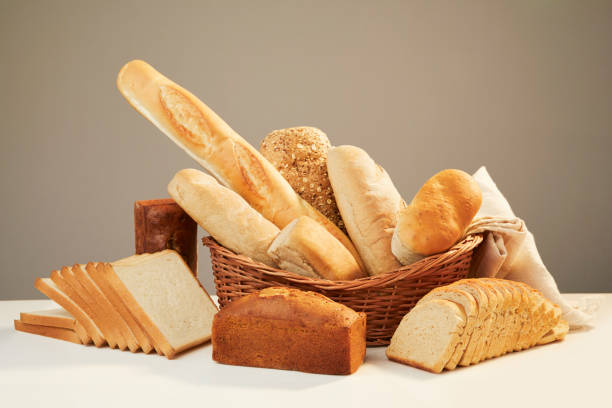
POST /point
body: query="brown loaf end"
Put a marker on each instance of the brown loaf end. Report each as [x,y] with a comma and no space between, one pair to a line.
[289,329]
[163,224]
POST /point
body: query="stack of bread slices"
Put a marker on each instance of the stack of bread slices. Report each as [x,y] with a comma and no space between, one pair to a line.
[143,302]
[473,320]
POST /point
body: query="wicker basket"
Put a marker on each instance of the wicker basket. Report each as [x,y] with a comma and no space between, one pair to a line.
[384,298]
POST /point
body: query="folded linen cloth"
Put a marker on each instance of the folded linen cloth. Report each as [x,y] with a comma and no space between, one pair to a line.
[508,251]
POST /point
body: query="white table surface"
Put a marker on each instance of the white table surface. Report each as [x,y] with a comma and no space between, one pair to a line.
[39,371]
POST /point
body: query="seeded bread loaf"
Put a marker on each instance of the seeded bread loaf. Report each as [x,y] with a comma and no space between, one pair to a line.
[290,329]
[300,155]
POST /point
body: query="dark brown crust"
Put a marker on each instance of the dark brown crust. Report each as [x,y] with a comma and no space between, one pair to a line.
[162,224]
[278,332]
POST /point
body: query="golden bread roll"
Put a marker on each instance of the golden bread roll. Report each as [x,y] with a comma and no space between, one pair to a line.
[437,216]
[199,131]
[300,155]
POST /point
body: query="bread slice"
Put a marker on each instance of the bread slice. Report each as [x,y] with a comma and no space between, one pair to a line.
[427,335]
[106,308]
[97,275]
[55,293]
[57,317]
[470,307]
[166,299]
[64,279]
[48,331]
[491,321]
[556,333]
[464,358]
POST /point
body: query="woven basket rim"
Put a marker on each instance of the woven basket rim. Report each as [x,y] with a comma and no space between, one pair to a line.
[422,268]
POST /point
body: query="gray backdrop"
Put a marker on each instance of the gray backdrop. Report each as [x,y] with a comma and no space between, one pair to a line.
[523,87]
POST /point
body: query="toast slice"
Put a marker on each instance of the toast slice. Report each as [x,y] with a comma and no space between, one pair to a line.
[166,299]
[97,275]
[108,312]
[426,337]
[60,333]
[556,333]
[65,281]
[55,293]
[59,318]
[470,307]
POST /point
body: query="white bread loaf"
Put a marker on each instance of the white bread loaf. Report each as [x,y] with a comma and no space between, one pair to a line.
[369,204]
[437,216]
[166,300]
[306,248]
[211,142]
[223,214]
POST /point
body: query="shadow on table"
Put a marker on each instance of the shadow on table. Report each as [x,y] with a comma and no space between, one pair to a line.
[194,366]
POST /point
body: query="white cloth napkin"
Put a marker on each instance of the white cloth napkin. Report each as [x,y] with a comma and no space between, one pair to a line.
[509,252]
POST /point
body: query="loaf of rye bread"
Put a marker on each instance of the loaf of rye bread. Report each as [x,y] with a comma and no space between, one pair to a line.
[290,329]
[163,224]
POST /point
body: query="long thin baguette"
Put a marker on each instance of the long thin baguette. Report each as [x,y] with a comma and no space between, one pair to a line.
[211,142]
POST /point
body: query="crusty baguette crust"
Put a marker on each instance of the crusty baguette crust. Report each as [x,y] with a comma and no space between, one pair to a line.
[369,204]
[199,131]
[305,244]
[224,214]
[48,331]
[46,286]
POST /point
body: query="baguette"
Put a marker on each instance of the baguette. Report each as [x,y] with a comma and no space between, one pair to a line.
[368,202]
[211,142]
[306,248]
[223,214]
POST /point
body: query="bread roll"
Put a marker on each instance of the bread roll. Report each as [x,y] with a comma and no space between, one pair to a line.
[300,155]
[211,142]
[369,204]
[223,214]
[306,248]
[437,216]
[290,329]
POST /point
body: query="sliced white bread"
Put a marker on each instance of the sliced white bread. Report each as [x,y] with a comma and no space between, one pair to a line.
[57,317]
[48,331]
[427,335]
[556,333]
[97,275]
[55,293]
[470,308]
[166,299]
[71,288]
[106,308]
